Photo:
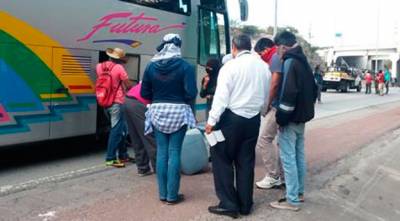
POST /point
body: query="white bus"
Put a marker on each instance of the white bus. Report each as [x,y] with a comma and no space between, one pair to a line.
[49,49]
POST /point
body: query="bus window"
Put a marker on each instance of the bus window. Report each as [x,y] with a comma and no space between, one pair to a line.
[209,36]
[180,6]
[218,5]
[223,37]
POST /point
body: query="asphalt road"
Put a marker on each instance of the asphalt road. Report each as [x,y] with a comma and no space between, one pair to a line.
[40,166]
[35,164]
[336,103]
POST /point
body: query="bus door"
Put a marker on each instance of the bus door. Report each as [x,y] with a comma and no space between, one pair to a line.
[213,35]
[73,102]
[132,67]
[213,42]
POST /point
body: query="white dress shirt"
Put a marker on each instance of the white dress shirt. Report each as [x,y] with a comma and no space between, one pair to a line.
[242,87]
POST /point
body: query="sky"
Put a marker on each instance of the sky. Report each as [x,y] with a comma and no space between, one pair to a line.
[319,20]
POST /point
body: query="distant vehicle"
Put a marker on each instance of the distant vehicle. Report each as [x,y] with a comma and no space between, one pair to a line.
[341,79]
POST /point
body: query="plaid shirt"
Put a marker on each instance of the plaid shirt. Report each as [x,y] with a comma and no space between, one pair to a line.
[168,117]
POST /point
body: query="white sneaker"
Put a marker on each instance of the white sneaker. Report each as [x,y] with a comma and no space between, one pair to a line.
[268,182]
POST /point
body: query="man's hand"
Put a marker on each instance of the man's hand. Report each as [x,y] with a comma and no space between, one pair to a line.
[265,111]
[209,129]
[206,80]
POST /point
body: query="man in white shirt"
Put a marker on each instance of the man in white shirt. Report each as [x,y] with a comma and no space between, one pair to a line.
[242,88]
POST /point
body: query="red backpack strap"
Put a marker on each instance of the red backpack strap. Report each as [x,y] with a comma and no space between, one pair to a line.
[109,68]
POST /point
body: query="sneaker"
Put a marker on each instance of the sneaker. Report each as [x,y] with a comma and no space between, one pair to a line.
[115,163]
[283,204]
[268,182]
[127,160]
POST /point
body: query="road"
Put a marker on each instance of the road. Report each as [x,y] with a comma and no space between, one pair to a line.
[336,103]
[61,177]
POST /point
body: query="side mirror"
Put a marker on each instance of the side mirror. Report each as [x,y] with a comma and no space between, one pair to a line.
[244,10]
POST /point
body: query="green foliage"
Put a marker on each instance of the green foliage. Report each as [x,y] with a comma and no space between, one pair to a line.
[251,30]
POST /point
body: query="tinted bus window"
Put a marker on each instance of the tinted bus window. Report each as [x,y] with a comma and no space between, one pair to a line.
[208,36]
[176,6]
[218,5]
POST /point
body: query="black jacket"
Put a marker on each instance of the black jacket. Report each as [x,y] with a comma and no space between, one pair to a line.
[298,90]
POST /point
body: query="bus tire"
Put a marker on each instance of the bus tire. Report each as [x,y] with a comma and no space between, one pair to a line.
[359,88]
[344,86]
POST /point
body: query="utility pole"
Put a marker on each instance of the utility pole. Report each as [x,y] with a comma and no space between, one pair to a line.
[310,33]
[377,35]
[276,18]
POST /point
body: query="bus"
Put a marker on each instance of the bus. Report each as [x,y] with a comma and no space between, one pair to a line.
[49,50]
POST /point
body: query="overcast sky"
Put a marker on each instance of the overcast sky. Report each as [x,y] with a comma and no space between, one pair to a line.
[356,20]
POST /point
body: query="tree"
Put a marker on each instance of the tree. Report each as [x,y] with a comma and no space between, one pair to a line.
[250,30]
[234,23]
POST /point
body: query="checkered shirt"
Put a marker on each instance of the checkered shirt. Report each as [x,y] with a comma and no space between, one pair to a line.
[168,117]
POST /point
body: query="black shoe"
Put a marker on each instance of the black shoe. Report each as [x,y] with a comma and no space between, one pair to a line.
[145,173]
[224,212]
[180,199]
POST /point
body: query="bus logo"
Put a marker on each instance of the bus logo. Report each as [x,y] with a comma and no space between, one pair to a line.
[128,23]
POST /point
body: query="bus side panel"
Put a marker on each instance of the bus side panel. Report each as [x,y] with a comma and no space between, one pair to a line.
[76,69]
[72,25]
[24,114]
[52,53]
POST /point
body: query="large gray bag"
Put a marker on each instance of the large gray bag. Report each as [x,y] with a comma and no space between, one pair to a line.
[194,156]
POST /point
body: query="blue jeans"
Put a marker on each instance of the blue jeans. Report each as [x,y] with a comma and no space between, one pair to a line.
[118,132]
[291,144]
[168,164]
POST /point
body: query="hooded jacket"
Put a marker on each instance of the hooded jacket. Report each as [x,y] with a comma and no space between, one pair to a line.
[212,84]
[298,89]
[169,81]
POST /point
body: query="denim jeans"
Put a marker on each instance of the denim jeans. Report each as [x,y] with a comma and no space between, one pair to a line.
[168,163]
[291,143]
[118,132]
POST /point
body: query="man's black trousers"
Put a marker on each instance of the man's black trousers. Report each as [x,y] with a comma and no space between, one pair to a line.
[234,160]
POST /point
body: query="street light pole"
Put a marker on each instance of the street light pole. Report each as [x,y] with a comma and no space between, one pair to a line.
[377,35]
[276,18]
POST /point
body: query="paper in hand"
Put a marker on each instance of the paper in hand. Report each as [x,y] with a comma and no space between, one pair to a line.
[215,137]
[219,136]
[212,140]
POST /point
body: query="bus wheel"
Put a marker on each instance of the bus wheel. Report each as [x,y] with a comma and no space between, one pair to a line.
[344,86]
[359,88]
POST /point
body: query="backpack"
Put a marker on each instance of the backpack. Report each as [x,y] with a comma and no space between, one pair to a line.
[105,92]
